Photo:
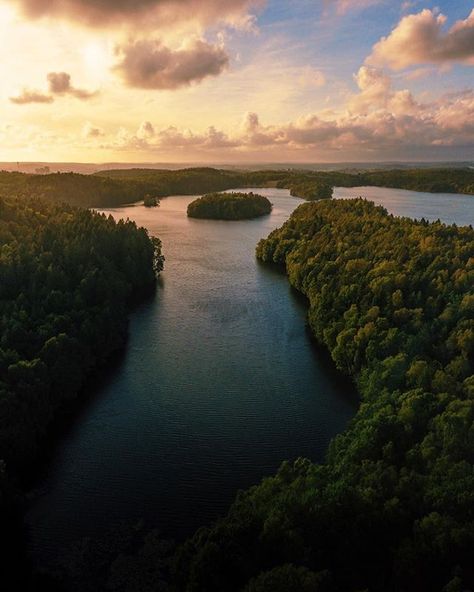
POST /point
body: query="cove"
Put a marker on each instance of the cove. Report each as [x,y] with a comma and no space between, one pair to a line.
[220,382]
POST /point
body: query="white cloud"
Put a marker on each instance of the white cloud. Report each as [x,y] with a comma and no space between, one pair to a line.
[420,39]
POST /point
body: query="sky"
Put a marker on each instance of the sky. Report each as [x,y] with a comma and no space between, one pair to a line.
[236,81]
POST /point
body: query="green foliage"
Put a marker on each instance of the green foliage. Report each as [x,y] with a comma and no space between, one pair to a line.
[393,506]
[311,190]
[150,202]
[118,187]
[229,206]
[67,278]
[454,180]
[289,578]
[72,188]
[162,182]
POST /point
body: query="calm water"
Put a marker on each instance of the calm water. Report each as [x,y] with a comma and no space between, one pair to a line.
[218,385]
[448,207]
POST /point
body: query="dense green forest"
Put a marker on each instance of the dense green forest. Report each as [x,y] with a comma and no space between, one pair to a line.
[229,206]
[311,190]
[432,180]
[162,182]
[73,188]
[118,187]
[308,185]
[68,276]
[393,506]
[303,183]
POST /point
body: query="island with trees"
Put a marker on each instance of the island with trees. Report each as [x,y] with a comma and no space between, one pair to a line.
[229,206]
[311,190]
[150,202]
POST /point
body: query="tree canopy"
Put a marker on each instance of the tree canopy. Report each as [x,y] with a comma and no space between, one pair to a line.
[229,206]
[68,276]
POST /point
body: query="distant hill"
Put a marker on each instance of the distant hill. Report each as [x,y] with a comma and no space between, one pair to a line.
[89,167]
[109,188]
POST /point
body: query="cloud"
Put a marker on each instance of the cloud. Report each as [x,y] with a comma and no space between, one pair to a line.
[31,96]
[419,73]
[311,77]
[396,125]
[376,92]
[146,138]
[149,13]
[251,122]
[151,65]
[255,134]
[59,84]
[456,113]
[146,130]
[420,39]
[344,6]
[90,131]
[212,139]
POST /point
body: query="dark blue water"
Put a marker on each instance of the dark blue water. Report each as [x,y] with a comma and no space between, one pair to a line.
[219,384]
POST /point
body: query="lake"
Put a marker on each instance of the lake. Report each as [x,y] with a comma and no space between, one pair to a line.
[451,208]
[219,383]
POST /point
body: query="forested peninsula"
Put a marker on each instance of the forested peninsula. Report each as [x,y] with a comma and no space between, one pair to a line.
[229,206]
[392,508]
[68,276]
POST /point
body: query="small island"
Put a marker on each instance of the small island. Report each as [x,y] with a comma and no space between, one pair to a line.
[150,201]
[229,206]
[311,190]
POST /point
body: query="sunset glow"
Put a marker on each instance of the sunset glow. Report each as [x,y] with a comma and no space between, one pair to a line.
[236,80]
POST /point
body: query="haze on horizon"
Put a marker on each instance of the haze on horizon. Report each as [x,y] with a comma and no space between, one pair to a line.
[236,80]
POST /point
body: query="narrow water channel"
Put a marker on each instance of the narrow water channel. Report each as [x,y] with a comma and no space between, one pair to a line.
[219,383]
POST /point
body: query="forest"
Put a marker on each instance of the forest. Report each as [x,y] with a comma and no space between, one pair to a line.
[306,184]
[162,182]
[311,190]
[229,206]
[393,506]
[390,298]
[430,180]
[68,278]
[112,188]
[72,188]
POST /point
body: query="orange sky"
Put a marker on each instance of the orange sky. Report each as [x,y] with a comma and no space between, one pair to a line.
[236,80]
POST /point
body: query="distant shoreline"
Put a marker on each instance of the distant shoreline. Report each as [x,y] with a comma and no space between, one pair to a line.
[90,168]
